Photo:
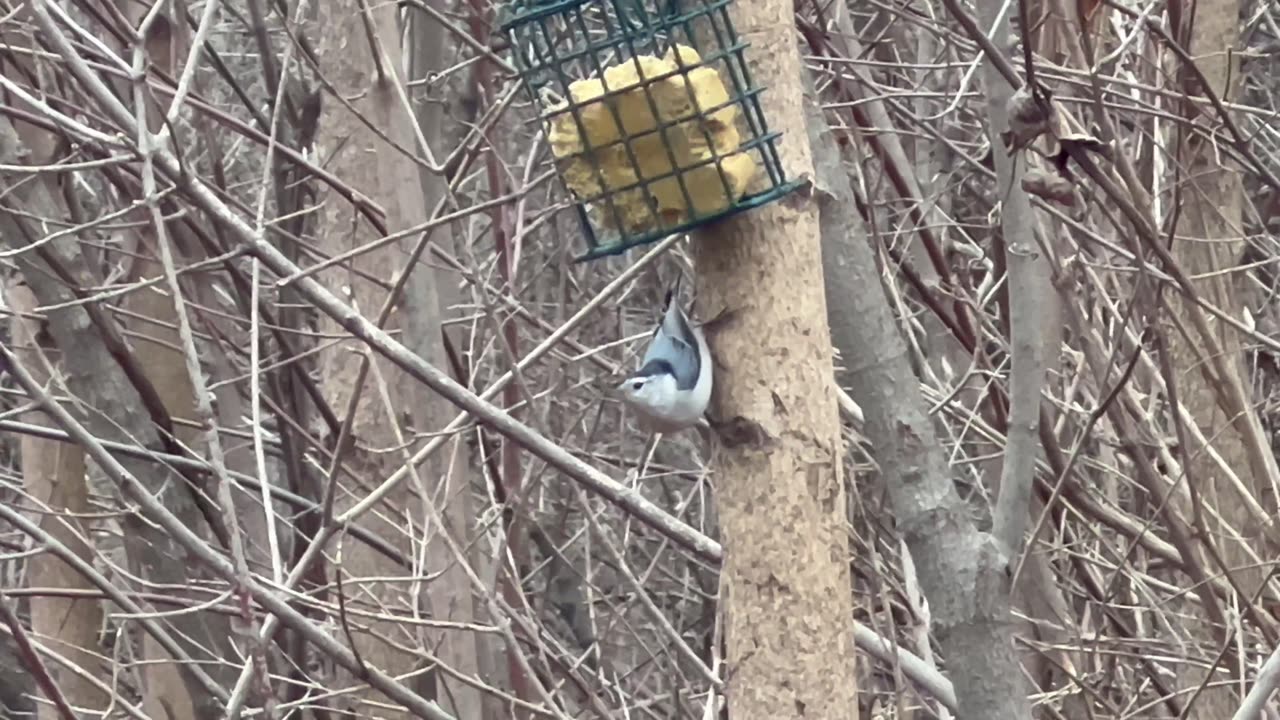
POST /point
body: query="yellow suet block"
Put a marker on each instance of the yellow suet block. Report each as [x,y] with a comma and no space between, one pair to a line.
[620,116]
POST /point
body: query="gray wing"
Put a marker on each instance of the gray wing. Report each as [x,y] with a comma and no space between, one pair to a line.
[673,342]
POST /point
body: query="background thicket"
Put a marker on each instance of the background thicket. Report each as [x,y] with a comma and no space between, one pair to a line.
[305,409]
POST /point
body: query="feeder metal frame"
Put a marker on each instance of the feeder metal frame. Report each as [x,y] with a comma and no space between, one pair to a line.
[539,65]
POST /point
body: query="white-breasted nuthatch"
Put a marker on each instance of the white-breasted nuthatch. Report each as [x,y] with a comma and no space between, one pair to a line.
[671,389]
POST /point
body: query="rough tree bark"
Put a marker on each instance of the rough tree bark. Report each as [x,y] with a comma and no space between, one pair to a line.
[370,74]
[785,584]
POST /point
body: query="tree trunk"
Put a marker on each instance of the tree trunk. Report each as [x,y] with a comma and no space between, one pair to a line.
[151,319]
[1208,244]
[93,373]
[430,52]
[963,574]
[53,474]
[365,161]
[785,584]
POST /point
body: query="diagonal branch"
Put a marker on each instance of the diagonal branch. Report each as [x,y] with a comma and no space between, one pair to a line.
[194,545]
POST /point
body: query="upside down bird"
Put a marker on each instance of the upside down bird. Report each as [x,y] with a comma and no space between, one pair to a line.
[671,389]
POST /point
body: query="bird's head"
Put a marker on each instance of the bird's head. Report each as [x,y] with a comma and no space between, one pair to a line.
[650,389]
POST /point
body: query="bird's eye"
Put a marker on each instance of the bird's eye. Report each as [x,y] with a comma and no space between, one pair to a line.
[637,385]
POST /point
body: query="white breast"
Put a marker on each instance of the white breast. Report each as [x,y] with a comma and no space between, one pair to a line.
[681,410]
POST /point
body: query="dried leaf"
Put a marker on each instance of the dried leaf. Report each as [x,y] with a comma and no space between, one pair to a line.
[1050,187]
[1027,120]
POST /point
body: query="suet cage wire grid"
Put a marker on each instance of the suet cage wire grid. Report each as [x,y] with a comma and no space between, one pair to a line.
[558,42]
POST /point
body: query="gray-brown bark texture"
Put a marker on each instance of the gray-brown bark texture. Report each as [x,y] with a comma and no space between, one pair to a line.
[785,588]
[151,318]
[431,291]
[93,351]
[1208,244]
[365,160]
[963,573]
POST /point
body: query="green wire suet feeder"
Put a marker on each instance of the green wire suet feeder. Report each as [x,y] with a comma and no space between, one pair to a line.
[650,113]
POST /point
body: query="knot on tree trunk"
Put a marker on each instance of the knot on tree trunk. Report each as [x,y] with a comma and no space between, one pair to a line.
[740,431]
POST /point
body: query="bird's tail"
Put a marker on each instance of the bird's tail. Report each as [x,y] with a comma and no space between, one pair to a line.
[673,295]
[674,321]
